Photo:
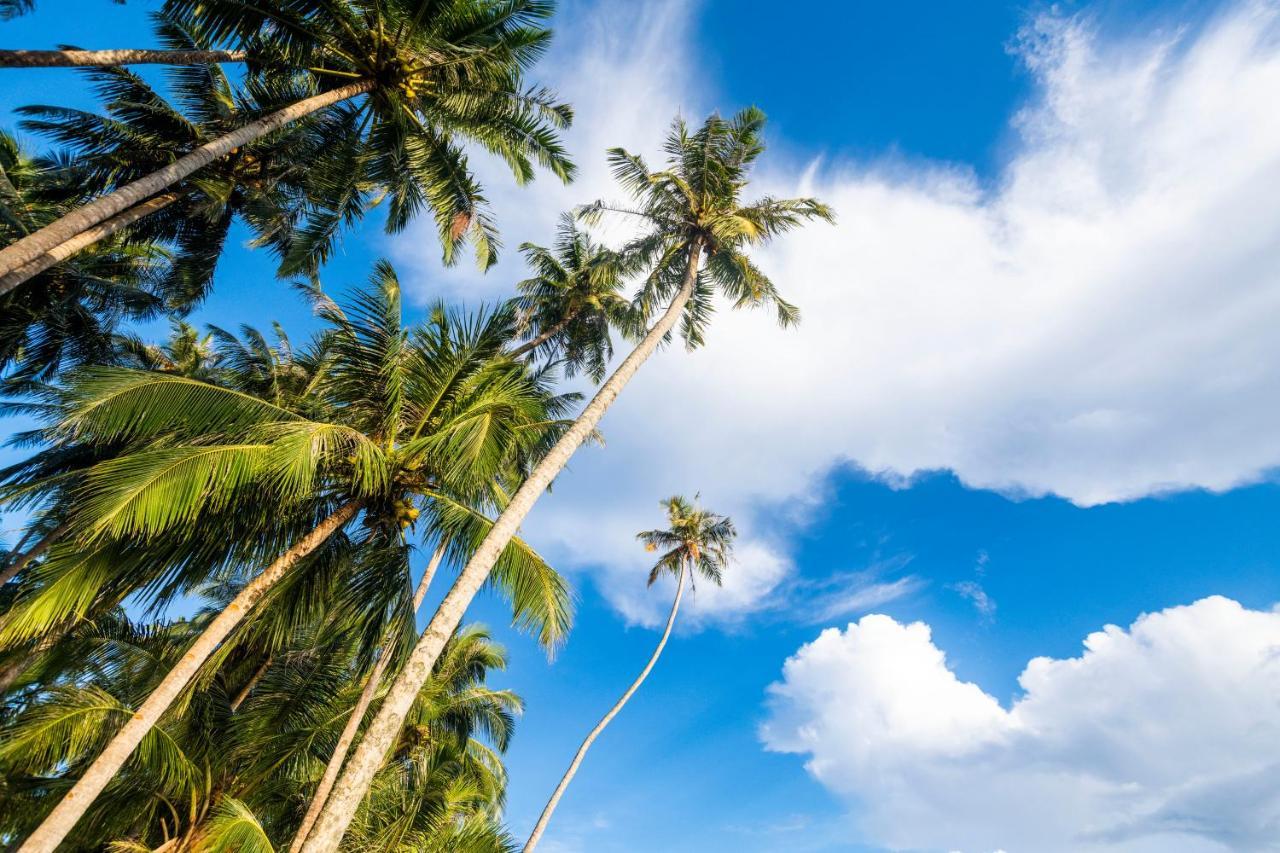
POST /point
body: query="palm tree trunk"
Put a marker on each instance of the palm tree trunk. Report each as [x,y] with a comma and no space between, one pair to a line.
[253,682]
[545,336]
[86,238]
[349,731]
[359,773]
[32,246]
[60,821]
[99,58]
[21,561]
[545,818]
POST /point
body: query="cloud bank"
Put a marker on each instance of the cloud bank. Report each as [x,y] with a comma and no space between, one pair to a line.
[1097,322]
[1160,737]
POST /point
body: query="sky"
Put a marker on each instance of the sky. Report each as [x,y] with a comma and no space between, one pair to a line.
[1007,577]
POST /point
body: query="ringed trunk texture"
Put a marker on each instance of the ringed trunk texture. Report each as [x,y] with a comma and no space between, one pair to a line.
[84,239]
[23,560]
[96,212]
[63,818]
[545,336]
[358,775]
[99,58]
[349,731]
[545,818]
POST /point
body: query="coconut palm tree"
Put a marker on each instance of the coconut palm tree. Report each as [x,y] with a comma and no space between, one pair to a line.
[413,80]
[435,420]
[694,541]
[692,209]
[573,301]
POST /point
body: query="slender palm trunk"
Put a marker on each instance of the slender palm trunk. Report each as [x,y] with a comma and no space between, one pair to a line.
[60,821]
[21,561]
[545,817]
[99,58]
[32,246]
[348,735]
[545,336]
[358,775]
[253,682]
[86,238]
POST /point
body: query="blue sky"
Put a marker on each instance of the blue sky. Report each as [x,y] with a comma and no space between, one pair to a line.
[1033,396]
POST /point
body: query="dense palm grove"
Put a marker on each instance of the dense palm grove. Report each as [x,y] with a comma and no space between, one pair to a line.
[302,497]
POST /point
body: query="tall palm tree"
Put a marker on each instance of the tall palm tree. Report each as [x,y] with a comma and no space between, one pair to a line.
[421,78]
[694,539]
[573,301]
[438,417]
[692,209]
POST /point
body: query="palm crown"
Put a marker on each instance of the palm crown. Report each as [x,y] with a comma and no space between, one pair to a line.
[695,539]
[694,206]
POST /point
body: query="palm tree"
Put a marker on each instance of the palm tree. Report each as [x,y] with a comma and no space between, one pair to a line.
[427,76]
[437,417]
[572,302]
[694,538]
[693,208]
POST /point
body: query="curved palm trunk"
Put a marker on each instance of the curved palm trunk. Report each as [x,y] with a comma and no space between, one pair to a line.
[60,821]
[545,817]
[21,561]
[84,239]
[544,337]
[253,682]
[31,247]
[99,58]
[349,731]
[358,775]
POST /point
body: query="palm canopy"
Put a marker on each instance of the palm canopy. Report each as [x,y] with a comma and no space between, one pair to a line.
[440,73]
[694,205]
[202,478]
[695,538]
[573,300]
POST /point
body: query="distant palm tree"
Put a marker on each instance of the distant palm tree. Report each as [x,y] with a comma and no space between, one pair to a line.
[694,539]
[422,77]
[691,209]
[438,417]
[573,301]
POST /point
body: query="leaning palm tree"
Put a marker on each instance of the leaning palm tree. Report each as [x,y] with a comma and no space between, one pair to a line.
[411,81]
[573,301]
[692,209]
[694,540]
[439,417]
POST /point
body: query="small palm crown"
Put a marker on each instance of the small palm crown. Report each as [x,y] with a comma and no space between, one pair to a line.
[696,538]
[695,205]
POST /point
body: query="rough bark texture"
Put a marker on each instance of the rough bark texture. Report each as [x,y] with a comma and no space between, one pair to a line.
[21,561]
[60,821]
[358,775]
[32,246]
[545,817]
[90,58]
[84,239]
[349,731]
[545,336]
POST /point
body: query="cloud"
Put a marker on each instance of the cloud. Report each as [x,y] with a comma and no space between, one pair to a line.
[1160,737]
[1096,322]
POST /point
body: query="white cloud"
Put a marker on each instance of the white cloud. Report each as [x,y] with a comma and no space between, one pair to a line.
[1097,324]
[1162,737]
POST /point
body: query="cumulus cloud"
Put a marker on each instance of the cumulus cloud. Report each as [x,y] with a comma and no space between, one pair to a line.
[1097,322]
[1160,737]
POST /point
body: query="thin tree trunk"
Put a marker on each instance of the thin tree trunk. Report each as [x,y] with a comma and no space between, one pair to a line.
[86,238]
[253,682]
[545,336]
[545,818]
[99,58]
[32,246]
[21,561]
[60,821]
[349,731]
[358,775]
[11,672]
